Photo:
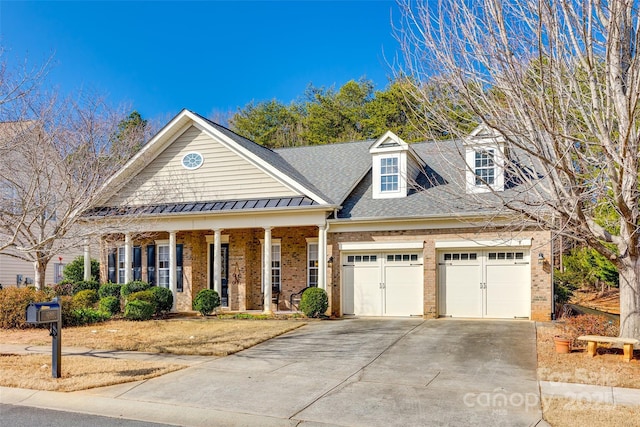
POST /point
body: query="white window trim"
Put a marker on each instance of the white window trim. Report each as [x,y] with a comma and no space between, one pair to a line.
[121,250]
[391,159]
[159,244]
[192,167]
[313,241]
[377,175]
[274,242]
[498,168]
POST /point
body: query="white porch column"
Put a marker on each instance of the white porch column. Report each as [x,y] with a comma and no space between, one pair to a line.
[266,273]
[173,267]
[87,260]
[322,257]
[128,257]
[217,261]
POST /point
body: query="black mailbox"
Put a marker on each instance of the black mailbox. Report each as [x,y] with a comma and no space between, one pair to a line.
[40,313]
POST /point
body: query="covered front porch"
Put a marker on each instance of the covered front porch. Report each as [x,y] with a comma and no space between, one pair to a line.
[248,259]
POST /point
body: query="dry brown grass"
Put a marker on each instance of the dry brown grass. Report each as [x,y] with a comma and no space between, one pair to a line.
[196,336]
[607,368]
[563,412]
[609,301]
[78,372]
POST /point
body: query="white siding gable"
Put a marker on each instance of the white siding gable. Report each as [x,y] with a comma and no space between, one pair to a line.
[224,175]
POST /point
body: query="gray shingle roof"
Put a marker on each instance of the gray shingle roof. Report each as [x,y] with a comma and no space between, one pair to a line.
[438,191]
[334,169]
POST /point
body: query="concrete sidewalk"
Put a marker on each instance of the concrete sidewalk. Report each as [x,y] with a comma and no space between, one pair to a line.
[348,373]
[108,354]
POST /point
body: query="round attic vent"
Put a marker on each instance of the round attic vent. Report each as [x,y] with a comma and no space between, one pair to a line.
[192,160]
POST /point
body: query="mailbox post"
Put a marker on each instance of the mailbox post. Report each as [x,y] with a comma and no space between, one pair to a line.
[40,313]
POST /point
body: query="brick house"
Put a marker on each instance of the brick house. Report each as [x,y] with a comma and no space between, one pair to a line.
[387,228]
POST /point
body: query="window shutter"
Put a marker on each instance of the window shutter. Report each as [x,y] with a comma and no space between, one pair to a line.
[179,267]
[111,263]
[151,264]
[137,263]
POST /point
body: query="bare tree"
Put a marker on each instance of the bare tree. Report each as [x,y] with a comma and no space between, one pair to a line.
[559,81]
[55,154]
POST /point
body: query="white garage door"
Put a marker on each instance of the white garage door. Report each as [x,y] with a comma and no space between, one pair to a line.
[383,284]
[492,283]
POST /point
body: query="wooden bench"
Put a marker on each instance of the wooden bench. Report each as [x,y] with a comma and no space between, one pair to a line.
[593,340]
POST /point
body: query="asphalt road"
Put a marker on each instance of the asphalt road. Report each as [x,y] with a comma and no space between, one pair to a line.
[24,416]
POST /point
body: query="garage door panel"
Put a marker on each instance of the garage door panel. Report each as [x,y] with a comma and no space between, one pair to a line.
[383,284]
[403,290]
[498,285]
[348,275]
[367,298]
[508,291]
[461,295]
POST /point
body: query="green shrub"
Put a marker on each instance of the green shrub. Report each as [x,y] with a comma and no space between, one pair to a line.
[109,305]
[314,302]
[67,307]
[109,290]
[589,324]
[85,299]
[163,298]
[84,285]
[63,288]
[131,287]
[138,310]
[74,271]
[206,301]
[14,302]
[87,316]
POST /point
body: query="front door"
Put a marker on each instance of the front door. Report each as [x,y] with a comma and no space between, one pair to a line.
[224,274]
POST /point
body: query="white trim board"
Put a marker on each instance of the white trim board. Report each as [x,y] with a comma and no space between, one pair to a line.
[482,243]
[379,246]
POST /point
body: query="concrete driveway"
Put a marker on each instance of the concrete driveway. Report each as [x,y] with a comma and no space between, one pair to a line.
[365,372]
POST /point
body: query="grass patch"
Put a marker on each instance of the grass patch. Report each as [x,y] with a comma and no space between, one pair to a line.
[606,369]
[78,372]
[194,336]
[563,412]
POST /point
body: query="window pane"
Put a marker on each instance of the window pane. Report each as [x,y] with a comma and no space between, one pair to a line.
[414,257]
[519,255]
[374,258]
[473,256]
[350,258]
[447,257]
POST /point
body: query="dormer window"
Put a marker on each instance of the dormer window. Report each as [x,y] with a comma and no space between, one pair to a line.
[393,165]
[389,174]
[485,155]
[485,168]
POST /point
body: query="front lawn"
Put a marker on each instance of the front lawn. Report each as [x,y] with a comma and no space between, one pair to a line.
[194,336]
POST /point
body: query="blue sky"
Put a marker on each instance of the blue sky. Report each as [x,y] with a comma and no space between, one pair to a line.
[208,56]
